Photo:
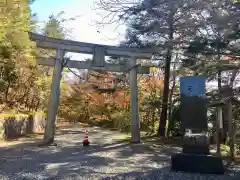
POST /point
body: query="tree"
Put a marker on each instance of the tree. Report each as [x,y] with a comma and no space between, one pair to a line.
[172,25]
[17,73]
[214,51]
[165,24]
[216,37]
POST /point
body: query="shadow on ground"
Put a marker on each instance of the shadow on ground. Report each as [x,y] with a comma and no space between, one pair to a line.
[105,160]
[27,161]
[165,173]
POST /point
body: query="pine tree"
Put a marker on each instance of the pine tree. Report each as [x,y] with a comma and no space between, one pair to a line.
[168,24]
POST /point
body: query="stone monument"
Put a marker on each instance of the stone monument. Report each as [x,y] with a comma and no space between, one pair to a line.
[195,156]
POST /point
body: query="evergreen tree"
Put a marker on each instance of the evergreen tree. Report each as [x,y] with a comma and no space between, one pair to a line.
[165,24]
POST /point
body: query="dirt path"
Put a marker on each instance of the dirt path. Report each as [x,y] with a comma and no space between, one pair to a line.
[108,157]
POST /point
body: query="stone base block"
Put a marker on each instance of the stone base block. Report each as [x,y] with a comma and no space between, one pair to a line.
[206,164]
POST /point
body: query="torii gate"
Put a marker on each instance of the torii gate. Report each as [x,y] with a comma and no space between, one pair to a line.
[99,52]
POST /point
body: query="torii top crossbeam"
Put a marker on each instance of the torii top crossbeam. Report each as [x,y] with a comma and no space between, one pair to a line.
[88,48]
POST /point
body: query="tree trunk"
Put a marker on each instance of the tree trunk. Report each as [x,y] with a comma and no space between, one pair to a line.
[170,98]
[223,133]
[163,116]
[218,120]
[153,121]
[37,105]
[219,78]
[231,124]
[6,92]
[230,131]
[233,77]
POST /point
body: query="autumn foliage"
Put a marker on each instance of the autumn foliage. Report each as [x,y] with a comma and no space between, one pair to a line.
[102,100]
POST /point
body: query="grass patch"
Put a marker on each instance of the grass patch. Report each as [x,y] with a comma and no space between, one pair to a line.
[14,114]
[31,138]
[122,137]
[7,115]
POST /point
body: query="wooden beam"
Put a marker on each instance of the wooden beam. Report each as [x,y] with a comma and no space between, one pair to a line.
[88,65]
[88,48]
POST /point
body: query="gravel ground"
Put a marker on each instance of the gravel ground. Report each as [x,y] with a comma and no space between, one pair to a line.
[106,158]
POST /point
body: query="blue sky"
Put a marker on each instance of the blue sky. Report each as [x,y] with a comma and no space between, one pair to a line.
[83,28]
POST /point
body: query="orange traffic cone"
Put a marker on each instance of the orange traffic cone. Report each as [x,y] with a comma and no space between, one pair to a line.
[85,141]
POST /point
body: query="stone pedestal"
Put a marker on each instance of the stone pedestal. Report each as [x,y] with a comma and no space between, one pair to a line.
[193,113]
[196,157]
[197,143]
[197,163]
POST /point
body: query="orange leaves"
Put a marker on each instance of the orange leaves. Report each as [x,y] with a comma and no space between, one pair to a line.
[85,97]
[150,85]
[155,82]
[117,94]
[121,98]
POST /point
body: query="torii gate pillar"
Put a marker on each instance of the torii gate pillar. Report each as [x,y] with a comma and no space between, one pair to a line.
[135,129]
[54,98]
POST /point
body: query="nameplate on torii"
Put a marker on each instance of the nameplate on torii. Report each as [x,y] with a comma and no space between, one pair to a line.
[99,57]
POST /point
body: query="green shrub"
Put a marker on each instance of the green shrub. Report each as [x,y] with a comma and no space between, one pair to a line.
[121,120]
